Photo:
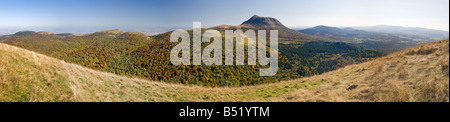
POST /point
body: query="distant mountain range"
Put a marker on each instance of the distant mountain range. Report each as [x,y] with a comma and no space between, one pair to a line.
[416,32]
[385,41]
[346,34]
[29,33]
[383,38]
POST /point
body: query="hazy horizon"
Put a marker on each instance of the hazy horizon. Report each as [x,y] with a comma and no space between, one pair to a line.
[83,16]
[145,30]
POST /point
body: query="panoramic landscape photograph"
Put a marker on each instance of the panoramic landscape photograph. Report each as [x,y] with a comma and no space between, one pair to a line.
[224,51]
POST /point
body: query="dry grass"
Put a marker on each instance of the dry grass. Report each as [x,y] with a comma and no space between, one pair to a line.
[401,76]
[27,76]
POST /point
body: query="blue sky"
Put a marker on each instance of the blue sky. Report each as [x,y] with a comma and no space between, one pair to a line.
[101,14]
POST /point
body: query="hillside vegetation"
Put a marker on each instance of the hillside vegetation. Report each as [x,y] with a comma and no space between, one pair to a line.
[416,74]
[133,54]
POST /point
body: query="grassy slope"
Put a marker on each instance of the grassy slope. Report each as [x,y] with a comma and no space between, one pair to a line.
[421,75]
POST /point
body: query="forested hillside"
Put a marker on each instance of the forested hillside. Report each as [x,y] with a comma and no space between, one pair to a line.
[134,54]
[416,74]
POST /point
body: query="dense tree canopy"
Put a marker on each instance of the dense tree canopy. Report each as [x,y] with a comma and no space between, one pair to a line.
[137,55]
